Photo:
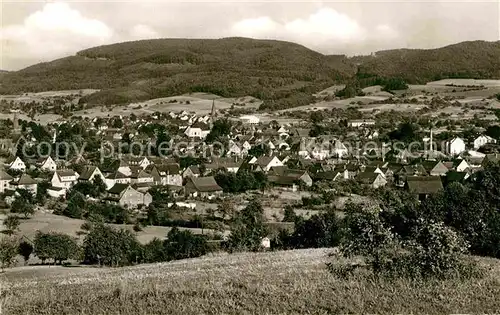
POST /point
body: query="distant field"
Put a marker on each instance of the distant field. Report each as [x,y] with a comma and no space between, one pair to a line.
[199,103]
[284,282]
[486,83]
[46,222]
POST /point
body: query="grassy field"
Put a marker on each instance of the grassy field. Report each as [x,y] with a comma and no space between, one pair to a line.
[288,282]
[47,222]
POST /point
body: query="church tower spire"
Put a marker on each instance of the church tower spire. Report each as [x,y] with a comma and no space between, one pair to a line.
[212,114]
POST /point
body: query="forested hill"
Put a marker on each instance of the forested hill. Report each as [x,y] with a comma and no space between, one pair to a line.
[474,60]
[282,73]
[153,68]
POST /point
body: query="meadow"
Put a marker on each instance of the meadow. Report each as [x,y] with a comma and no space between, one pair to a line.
[284,282]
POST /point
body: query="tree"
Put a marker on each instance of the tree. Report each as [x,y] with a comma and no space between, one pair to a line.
[289,215]
[76,206]
[493,131]
[220,129]
[25,249]
[393,84]
[107,246]
[154,251]
[320,230]
[41,192]
[58,246]
[8,252]
[248,228]
[184,244]
[316,117]
[226,209]
[20,205]
[12,223]
[100,186]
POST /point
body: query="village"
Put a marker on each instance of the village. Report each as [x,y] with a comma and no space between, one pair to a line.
[201,162]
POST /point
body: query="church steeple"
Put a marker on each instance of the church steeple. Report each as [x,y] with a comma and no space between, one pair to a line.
[212,114]
[15,121]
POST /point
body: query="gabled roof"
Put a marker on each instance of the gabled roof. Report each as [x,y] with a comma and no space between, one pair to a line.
[65,173]
[454,176]
[224,163]
[205,184]
[327,175]
[264,160]
[140,174]
[25,179]
[5,176]
[424,185]
[195,169]
[118,189]
[367,177]
[117,175]
[87,172]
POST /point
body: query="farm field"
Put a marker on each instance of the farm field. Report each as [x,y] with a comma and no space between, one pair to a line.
[47,222]
[284,282]
[200,103]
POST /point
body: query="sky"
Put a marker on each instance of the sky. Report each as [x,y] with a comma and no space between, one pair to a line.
[33,31]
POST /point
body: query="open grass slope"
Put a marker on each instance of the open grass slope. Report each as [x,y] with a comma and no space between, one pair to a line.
[287,282]
[148,69]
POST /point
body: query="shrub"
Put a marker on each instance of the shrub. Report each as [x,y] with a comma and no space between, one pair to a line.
[25,249]
[154,251]
[12,223]
[8,252]
[435,251]
[184,244]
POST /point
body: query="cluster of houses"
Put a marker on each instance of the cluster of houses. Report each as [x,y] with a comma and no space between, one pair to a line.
[324,158]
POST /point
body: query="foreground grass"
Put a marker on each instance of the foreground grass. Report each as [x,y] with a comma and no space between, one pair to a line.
[288,282]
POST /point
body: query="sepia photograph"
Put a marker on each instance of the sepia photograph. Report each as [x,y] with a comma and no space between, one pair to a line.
[249,157]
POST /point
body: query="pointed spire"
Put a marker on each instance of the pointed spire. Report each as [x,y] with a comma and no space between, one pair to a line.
[212,114]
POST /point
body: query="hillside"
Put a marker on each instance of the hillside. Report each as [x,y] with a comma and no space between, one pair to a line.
[155,68]
[474,60]
[286,282]
[281,73]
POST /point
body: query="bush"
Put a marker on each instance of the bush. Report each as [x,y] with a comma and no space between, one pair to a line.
[25,249]
[154,251]
[8,252]
[12,223]
[434,252]
[320,230]
[184,244]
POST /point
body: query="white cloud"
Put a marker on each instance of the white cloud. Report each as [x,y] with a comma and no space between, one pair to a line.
[326,30]
[262,26]
[329,23]
[54,31]
[141,31]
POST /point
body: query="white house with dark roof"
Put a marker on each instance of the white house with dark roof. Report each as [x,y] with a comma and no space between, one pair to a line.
[116,178]
[47,164]
[5,180]
[205,187]
[264,163]
[128,197]
[16,164]
[482,140]
[89,173]
[24,182]
[455,146]
[64,179]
